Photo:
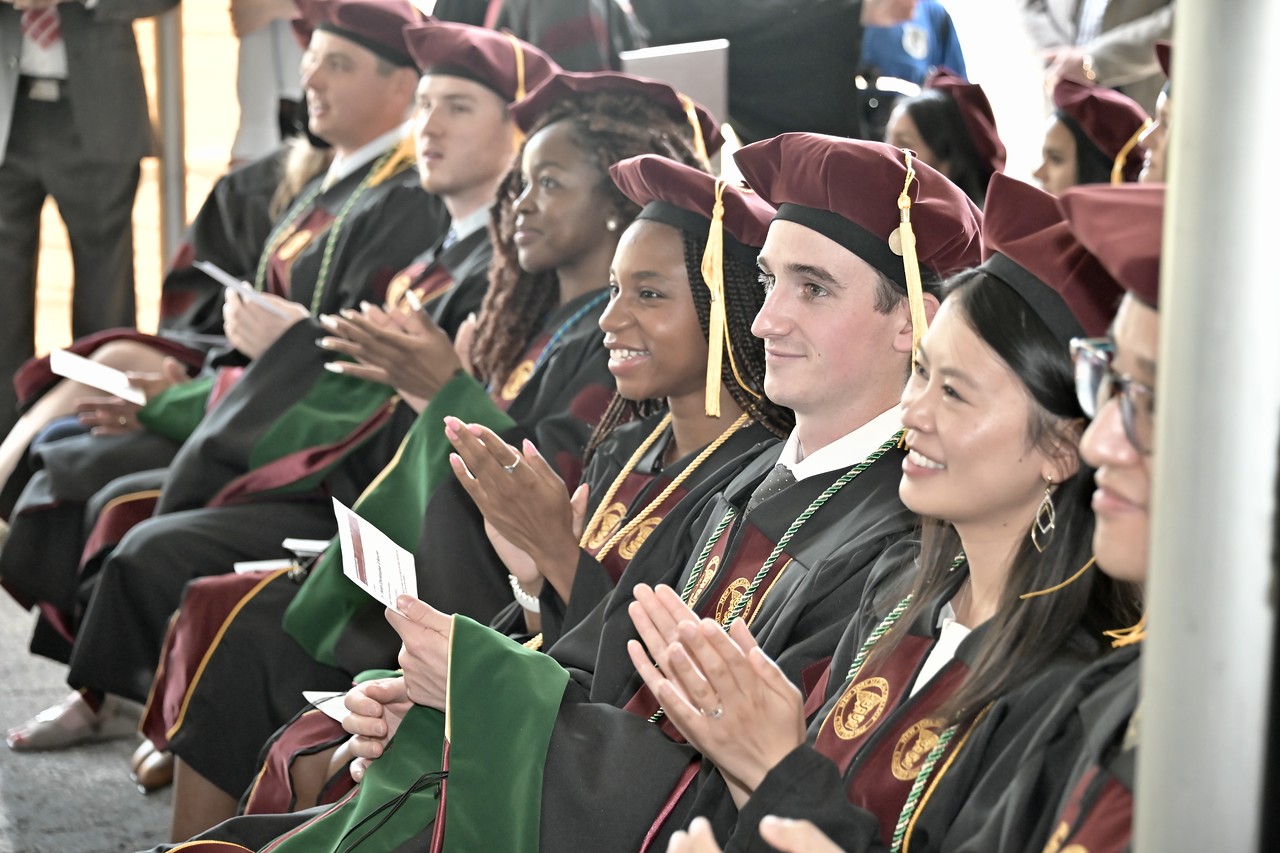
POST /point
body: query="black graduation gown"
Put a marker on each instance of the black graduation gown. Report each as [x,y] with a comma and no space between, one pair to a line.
[609,772]
[876,767]
[229,230]
[1074,782]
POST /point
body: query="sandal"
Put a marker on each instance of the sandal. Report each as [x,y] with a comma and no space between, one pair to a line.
[70,723]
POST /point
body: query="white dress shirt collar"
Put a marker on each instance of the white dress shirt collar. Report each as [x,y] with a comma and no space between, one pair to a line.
[845,452]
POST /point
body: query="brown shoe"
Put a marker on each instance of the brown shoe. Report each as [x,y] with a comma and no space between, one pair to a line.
[155,772]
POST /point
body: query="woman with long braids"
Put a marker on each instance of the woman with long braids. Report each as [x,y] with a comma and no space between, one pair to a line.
[934,684]
[671,287]
[564,391]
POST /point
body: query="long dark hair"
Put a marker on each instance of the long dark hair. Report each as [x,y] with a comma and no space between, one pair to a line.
[743,297]
[937,117]
[1025,635]
[607,127]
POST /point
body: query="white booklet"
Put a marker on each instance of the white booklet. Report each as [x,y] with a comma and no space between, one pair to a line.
[372,560]
[80,369]
[227,280]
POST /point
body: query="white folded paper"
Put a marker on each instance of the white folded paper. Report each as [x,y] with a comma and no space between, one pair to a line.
[230,282]
[372,560]
[329,702]
[246,566]
[80,369]
[305,547]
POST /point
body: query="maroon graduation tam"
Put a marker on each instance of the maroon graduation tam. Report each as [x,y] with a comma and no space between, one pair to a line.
[685,197]
[1122,226]
[847,190]
[975,109]
[1164,55]
[734,219]
[1027,244]
[507,65]
[1109,119]
[573,84]
[376,25]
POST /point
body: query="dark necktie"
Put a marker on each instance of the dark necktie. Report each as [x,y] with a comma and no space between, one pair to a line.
[42,26]
[779,478]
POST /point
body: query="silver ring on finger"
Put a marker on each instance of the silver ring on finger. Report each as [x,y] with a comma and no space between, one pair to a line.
[511,469]
[713,714]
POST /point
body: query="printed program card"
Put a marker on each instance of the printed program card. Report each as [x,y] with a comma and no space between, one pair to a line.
[80,369]
[372,560]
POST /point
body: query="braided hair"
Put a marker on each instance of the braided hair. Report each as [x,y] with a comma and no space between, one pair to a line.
[607,127]
[743,298]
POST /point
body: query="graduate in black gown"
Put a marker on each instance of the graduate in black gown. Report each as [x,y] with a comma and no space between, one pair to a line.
[940,680]
[1073,788]
[587,769]
[339,243]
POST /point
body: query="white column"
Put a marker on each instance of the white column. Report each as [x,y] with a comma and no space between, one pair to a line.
[1207,662]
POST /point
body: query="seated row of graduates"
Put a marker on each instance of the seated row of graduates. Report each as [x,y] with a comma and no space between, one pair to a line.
[994,614]
[666,498]
[988,633]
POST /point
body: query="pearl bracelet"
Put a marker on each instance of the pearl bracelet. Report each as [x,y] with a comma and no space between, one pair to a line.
[524,599]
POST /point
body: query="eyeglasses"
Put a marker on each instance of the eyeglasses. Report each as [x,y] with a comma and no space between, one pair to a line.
[1097,383]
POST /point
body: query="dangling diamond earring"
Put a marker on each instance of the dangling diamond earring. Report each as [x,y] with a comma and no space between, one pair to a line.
[1046,519]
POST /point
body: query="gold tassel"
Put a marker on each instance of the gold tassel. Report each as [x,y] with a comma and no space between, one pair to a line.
[1062,585]
[713,275]
[1128,636]
[699,144]
[910,263]
[1117,165]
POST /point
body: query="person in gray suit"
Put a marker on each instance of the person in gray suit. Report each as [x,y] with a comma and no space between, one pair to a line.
[1109,42]
[73,125]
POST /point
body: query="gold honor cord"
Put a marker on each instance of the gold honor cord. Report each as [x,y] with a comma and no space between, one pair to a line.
[1079,574]
[653,505]
[699,143]
[1117,165]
